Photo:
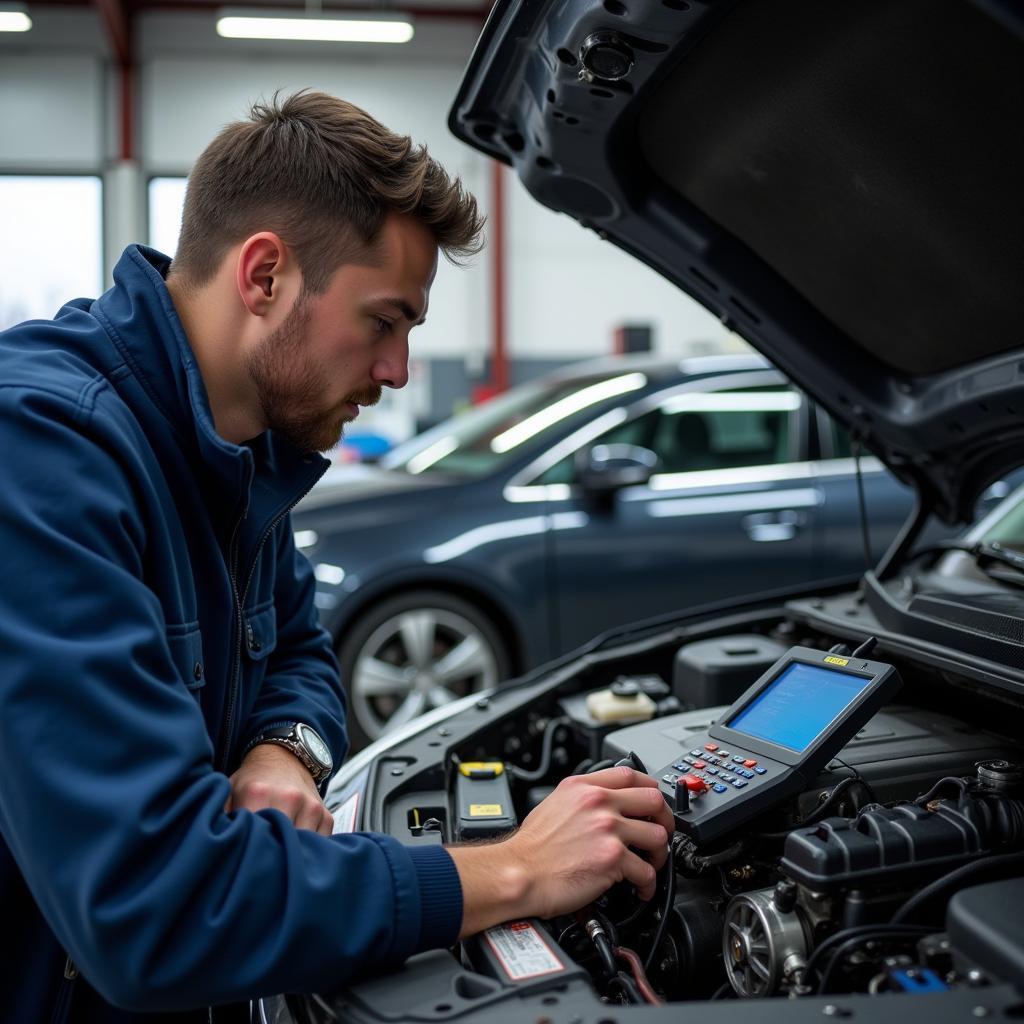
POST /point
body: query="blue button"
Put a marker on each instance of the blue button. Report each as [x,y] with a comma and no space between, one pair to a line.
[738,760]
[760,770]
[746,773]
[719,788]
[712,771]
[738,783]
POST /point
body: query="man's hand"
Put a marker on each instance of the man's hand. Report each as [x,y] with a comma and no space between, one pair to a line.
[272,776]
[569,850]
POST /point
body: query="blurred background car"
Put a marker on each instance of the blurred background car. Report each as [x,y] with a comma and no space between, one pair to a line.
[610,492]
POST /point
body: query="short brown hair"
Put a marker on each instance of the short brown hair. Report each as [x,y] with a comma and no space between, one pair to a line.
[322,174]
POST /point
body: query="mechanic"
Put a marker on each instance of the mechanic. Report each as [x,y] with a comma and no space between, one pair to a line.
[166,693]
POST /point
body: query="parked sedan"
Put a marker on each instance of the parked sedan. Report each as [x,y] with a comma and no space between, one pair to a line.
[604,493]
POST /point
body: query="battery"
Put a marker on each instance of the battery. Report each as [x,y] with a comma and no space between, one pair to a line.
[483,800]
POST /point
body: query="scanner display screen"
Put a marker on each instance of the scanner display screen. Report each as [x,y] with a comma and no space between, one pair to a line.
[798,705]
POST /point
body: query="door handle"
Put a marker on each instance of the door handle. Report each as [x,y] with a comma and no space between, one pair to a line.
[768,527]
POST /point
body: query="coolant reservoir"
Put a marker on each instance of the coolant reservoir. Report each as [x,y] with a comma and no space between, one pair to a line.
[620,704]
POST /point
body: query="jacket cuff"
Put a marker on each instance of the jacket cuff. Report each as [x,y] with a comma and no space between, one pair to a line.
[440,897]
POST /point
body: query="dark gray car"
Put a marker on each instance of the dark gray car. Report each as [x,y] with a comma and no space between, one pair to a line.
[605,493]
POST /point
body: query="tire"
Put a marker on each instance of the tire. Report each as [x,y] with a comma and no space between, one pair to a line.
[391,654]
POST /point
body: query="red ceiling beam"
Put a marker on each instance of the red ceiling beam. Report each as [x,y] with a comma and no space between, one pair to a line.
[117,20]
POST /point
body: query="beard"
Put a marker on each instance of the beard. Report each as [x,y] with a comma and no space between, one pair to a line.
[290,387]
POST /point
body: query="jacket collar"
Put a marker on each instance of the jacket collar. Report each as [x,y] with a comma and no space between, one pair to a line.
[140,318]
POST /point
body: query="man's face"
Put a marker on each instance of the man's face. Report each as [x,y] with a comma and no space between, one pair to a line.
[338,350]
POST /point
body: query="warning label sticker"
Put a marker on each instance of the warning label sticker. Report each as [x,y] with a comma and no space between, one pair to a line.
[345,815]
[485,810]
[522,951]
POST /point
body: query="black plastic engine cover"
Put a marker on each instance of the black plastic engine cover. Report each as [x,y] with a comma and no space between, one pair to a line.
[884,846]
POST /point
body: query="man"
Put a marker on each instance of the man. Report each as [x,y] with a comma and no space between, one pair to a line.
[169,705]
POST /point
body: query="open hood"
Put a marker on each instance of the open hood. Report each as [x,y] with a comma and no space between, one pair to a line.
[841,183]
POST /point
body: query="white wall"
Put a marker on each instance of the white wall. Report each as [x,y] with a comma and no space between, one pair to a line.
[567,290]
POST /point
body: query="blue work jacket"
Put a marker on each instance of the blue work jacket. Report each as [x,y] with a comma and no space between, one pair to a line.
[154,617]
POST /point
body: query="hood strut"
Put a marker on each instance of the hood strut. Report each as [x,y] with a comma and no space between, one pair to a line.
[909,532]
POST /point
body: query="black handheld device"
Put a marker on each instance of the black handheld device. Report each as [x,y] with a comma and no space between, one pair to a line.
[774,739]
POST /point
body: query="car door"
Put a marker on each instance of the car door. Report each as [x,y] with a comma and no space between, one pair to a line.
[729,511]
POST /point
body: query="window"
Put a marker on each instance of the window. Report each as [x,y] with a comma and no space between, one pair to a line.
[166,201]
[707,430]
[53,244]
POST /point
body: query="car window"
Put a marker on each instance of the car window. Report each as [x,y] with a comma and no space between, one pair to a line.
[476,442]
[706,430]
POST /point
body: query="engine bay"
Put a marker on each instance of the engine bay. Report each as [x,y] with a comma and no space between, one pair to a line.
[897,868]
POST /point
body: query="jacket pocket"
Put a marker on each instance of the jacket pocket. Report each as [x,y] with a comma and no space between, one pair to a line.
[261,633]
[186,645]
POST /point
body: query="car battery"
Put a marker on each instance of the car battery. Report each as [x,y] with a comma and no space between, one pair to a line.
[483,800]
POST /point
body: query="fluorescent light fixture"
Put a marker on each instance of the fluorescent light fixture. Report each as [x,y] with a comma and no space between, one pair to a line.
[14,18]
[339,28]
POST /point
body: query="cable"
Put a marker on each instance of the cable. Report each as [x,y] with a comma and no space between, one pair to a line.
[639,975]
[949,780]
[964,871]
[524,774]
[599,766]
[819,812]
[865,537]
[670,893]
[851,944]
[862,932]
[628,986]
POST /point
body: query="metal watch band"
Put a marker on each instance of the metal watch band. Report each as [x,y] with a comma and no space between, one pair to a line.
[290,738]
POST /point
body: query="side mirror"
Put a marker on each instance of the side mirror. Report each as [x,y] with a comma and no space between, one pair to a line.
[606,468]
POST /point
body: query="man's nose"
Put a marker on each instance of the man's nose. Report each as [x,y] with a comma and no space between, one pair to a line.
[392,369]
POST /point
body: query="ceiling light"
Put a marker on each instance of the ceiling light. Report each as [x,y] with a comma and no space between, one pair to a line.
[341,28]
[14,18]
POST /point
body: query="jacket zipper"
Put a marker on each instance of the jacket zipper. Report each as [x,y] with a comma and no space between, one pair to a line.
[62,1004]
[239,602]
[236,663]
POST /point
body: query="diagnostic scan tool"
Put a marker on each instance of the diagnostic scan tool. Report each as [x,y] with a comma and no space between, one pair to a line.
[773,741]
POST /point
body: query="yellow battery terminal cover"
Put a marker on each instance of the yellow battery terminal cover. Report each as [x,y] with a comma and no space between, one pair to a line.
[481,769]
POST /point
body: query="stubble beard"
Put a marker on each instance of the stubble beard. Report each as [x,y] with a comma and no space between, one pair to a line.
[290,387]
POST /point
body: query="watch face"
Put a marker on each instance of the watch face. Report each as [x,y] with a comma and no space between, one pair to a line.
[314,745]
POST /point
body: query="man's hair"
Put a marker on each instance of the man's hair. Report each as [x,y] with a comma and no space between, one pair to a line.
[323,175]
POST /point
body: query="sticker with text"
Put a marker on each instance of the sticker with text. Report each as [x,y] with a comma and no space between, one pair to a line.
[522,951]
[345,815]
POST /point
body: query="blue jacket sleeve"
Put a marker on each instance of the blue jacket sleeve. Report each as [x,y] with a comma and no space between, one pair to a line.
[109,801]
[302,683]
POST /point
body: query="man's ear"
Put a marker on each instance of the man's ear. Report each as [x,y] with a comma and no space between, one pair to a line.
[265,265]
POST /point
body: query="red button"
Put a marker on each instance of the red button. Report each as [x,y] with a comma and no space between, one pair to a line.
[749,764]
[710,746]
[694,785]
[699,764]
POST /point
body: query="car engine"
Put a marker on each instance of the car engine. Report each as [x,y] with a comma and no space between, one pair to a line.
[897,868]
[849,887]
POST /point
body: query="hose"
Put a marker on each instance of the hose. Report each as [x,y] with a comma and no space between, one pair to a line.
[639,975]
[524,774]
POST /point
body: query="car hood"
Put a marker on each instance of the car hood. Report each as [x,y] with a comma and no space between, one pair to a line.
[347,484]
[839,182]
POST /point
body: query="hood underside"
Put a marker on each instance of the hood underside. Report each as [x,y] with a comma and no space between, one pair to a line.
[841,183]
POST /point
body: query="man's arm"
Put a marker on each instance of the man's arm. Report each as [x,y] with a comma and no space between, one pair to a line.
[301,685]
[109,801]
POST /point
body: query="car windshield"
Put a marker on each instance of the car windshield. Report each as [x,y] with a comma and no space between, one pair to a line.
[1006,525]
[478,441]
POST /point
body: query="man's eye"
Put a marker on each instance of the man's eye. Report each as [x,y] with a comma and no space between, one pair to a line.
[383,326]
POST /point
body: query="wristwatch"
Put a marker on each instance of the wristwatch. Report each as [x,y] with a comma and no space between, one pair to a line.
[305,743]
